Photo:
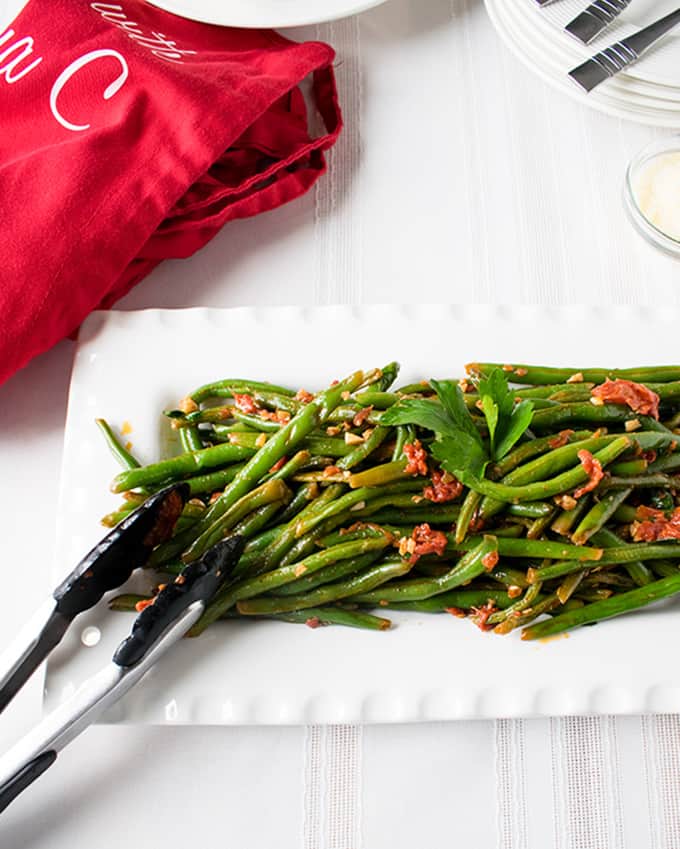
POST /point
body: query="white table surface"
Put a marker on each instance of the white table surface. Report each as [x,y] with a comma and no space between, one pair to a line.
[459,178]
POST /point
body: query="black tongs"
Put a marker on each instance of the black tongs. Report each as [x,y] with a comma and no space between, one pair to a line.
[175,609]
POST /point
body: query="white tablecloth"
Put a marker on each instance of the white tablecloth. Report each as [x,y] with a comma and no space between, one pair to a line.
[461,178]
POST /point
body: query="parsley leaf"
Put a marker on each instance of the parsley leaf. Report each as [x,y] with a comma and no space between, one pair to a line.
[458,445]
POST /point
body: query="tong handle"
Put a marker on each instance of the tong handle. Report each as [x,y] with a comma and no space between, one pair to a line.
[25,776]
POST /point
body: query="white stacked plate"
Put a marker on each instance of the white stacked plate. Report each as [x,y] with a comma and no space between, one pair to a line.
[648,92]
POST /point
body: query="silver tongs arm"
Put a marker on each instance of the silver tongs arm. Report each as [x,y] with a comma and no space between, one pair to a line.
[38,750]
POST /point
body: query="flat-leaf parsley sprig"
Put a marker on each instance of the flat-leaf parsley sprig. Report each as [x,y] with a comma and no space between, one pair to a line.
[458,445]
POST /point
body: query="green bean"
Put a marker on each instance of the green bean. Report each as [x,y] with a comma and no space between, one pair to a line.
[405,435]
[179,467]
[437,514]
[361,583]
[355,500]
[568,518]
[528,450]
[380,475]
[226,389]
[558,569]
[255,422]
[581,412]
[421,387]
[641,482]
[290,467]
[360,531]
[277,446]
[533,548]
[211,481]
[273,491]
[403,502]
[376,398]
[625,514]
[635,568]
[527,600]
[190,439]
[569,586]
[125,459]
[664,568]
[508,577]
[614,606]
[287,535]
[388,374]
[309,542]
[538,526]
[548,488]
[540,375]
[531,510]
[326,445]
[335,572]
[250,587]
[453,600]
[252,524]
[543,467]
[367,447]
[628,468]
[599,514]
[314,616]
[127,601]
[546,605]
[669,463]
[573,392]
[466,515]
[639,551]
[110,520]
[304,496]
[467,568]
[346,413]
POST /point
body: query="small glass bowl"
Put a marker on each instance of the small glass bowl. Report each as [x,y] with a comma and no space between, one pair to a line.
[656,237]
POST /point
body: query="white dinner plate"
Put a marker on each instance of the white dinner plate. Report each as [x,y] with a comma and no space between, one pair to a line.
[623,97]
[131,365]
[659,66]
[562,53]
[275,14]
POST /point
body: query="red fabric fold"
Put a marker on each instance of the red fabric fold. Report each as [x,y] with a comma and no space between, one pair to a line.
[130,135]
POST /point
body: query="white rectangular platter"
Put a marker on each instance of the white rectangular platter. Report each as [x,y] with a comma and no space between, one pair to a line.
[132,365]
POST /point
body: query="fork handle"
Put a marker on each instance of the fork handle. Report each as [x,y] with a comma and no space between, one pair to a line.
[646,37]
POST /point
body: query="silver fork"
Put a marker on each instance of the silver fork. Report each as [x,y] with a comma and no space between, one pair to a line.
[597,17]
[623,53]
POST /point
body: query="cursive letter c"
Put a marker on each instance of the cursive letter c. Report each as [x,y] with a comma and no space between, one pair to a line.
[75,66]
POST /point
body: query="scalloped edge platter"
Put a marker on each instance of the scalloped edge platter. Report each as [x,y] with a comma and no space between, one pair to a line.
[130,365]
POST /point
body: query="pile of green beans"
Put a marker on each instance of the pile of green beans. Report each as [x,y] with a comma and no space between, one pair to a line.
[341,527]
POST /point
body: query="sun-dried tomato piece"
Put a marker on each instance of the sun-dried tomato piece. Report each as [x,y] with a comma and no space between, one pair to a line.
[246,404]
[313,622]
[489,560]
[653,525]
[481,615]
[279,464]
[593,469]
[423,541]
[639,398]
[417,458]
[444,487]
[561,439]
[361,416]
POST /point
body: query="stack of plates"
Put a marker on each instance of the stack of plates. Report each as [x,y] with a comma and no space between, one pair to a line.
[649,92]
